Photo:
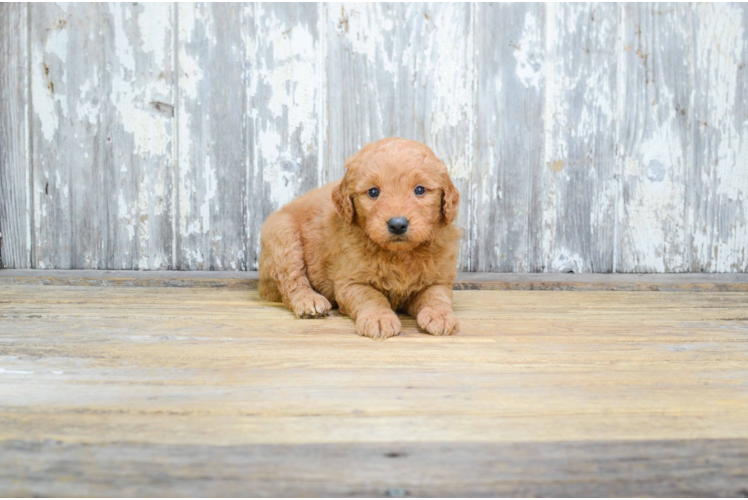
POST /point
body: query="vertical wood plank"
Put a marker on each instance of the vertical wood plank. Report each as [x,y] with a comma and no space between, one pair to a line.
[580,167]
[284,109]
[67,89]
[212,146]
[101,93]
[402,70]
[137,119]
[719,180]
[15,171]
[505,203]
[655,136]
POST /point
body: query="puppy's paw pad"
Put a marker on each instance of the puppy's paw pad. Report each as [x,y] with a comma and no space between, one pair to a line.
[378,324]
[311,305]
[438,321]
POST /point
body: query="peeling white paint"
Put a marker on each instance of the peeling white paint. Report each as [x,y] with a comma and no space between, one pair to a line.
[291,82]
[565,261]
[529,58]
[134,102]
[655,224]
[49,105]
[720,240]
[418,49]
[153,21]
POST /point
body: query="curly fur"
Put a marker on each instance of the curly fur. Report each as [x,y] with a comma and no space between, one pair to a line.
[332,245]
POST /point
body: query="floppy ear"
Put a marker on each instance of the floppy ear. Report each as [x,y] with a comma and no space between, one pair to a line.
[343,201]
[450,199]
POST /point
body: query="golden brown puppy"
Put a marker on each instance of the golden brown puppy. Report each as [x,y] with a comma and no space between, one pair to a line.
[380,239]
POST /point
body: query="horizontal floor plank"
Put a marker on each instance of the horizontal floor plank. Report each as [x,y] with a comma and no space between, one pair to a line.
[693,468]
[194,391]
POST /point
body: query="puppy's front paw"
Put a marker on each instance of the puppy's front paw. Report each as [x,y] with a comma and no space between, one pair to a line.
[310,305]
[438,321]
[377,323]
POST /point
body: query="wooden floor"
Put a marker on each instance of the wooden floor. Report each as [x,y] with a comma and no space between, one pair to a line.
[212,392]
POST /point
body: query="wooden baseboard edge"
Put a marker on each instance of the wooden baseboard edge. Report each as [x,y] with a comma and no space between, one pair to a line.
[703,282]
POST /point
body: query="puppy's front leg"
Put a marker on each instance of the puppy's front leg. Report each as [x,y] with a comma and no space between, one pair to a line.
[371,310]
[432,309]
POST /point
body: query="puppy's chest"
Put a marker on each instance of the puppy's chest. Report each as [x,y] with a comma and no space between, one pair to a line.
[399,279]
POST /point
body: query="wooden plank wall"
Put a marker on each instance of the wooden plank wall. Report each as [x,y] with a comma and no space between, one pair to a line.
[583,137]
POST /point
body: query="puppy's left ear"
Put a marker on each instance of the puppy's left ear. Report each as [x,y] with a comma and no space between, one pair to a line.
[450,199]
[343,202]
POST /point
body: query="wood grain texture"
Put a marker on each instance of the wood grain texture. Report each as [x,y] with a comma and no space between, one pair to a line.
[15,160]
[138,119]
[579,174]
[505,223]
[68,147]
[284,109]
[212,146]
[585,138]
[153,390]
[656,136]
[672,468]
[719,180]
[101,139]
[401,70]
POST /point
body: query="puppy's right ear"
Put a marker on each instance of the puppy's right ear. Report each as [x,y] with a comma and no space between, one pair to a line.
[343,201]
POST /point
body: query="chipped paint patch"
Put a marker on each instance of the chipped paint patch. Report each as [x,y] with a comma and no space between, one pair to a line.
[529,62]
[720,235]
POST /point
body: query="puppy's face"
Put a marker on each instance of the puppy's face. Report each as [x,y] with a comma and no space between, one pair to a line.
[398,192]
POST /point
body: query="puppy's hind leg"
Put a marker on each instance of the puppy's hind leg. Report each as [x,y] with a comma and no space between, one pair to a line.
[283,269]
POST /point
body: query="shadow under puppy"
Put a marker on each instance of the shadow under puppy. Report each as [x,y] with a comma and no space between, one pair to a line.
[379,240]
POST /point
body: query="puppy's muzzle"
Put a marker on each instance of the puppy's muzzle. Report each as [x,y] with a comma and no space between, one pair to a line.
[397,225]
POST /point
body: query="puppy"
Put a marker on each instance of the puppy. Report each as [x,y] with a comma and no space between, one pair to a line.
[379,240]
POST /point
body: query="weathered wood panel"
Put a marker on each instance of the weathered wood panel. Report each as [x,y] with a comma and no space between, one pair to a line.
[212,174]
[68,142]
[719,180]
[583,137]
[505,222]
[579,175]
[102,119]
[15,156]
[284,110]
[401,70]
[656,149]
[139,119]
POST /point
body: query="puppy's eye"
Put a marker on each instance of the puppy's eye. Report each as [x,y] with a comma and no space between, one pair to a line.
[373,193]
[420,191]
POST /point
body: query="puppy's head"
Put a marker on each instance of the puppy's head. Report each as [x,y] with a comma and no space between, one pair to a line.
[398,192]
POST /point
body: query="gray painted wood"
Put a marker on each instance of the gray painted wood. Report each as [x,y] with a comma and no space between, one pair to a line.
[15,171]
[579,174]
[719,180]
[285,80]
[67,146]
[138,117]
[505,223]
[212,159]
[583,137]
[101,135]
[655,143]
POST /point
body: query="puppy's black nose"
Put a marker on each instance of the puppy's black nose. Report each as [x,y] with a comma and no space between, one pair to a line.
[397,225]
